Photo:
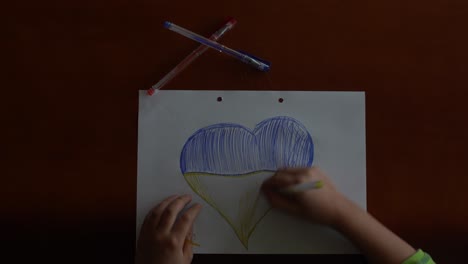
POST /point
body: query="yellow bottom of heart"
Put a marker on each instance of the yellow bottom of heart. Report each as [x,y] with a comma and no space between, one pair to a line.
[236,198]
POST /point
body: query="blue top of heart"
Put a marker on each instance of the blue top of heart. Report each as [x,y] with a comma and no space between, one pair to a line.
[231,149]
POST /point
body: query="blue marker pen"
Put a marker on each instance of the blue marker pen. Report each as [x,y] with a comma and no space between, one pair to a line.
[246,58]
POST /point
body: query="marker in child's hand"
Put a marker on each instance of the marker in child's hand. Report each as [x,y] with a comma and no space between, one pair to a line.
[302,187]
[191,242]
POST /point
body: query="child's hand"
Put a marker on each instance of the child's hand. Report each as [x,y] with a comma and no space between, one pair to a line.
[327,206]
[163,236]
[319,205]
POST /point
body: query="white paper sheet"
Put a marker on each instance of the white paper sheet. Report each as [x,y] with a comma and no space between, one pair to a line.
[235,219]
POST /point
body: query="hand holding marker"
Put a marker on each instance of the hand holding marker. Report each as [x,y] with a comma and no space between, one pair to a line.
[302,187]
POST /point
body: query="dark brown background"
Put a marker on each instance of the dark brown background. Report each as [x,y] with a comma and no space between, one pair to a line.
[69,104]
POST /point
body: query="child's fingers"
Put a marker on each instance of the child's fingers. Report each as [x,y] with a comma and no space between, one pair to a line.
[278,200]
[169,216]
[281,179]
[153,216]
[183,225]
[187,249]
[316,174]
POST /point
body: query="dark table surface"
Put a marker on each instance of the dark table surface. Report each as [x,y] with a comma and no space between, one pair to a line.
[71,71]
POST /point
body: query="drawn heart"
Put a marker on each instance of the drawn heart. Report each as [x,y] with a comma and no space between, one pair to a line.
[225,164]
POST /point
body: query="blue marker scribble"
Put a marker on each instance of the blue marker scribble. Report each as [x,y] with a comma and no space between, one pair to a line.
[231,149]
